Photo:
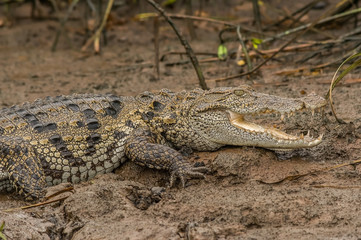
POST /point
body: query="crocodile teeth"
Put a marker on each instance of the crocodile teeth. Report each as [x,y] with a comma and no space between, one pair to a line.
[282,138]
[316,141]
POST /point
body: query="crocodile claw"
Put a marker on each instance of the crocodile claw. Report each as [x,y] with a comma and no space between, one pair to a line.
[184,172]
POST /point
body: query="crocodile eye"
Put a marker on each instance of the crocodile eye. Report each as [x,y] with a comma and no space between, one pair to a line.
[240,92]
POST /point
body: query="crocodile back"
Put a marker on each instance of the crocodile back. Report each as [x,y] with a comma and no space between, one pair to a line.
[75,137]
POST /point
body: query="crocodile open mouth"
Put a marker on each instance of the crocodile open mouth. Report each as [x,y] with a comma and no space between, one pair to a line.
[239,121]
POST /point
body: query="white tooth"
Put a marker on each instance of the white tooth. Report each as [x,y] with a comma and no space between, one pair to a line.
[282,116]
[308,133]
[313,112]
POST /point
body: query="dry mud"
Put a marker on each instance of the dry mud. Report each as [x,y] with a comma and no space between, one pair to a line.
[235,201]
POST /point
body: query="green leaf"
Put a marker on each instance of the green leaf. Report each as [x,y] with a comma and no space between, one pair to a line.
[222,52]
[168,2]
[144,16]
[2,236]
[347,70]
[256,42]
[335,80]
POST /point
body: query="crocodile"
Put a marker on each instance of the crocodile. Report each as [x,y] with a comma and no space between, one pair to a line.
[74,138]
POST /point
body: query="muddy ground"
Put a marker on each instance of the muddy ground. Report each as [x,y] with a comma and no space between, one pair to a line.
[235,201]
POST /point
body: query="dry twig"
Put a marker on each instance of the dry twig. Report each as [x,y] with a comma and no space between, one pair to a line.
[305,29]
[327,169]
[184,42]
[96,35]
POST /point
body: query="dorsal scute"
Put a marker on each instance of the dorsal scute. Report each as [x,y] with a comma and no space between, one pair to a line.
[51,113]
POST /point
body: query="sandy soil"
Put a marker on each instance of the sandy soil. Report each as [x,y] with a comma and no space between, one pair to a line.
[236,200]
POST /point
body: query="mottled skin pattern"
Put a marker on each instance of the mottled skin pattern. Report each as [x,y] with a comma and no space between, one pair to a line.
[74,138]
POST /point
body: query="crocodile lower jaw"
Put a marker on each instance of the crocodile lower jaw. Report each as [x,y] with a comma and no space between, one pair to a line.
[237,120]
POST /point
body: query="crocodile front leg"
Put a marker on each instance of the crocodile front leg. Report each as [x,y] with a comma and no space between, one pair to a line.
[142,149]
[19,162]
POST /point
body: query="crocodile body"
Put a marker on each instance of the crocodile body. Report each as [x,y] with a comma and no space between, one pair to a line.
[74,138]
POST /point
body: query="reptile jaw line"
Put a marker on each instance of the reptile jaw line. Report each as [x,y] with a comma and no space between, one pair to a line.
[238,121]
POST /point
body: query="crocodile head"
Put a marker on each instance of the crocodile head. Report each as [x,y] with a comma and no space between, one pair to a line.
[231,116]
